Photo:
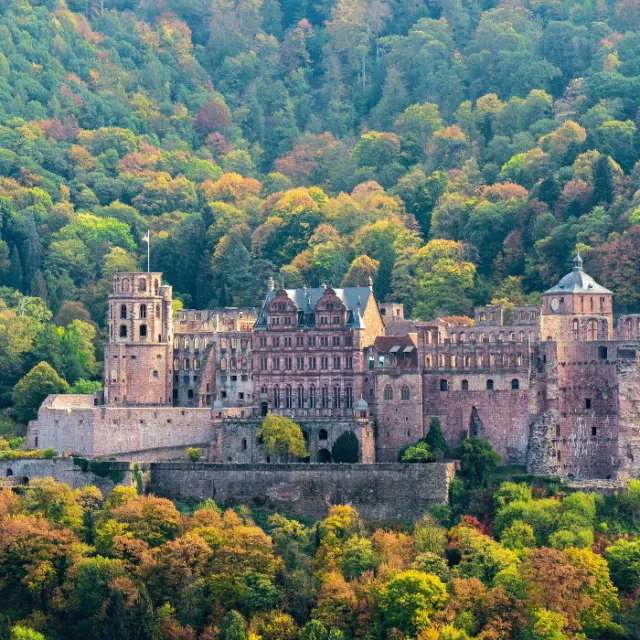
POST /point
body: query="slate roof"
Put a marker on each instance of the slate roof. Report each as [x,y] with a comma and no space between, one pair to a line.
[577,281]
[305,300]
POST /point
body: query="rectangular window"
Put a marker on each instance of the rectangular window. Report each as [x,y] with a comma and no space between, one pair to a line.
[287,342]
[288,364]
[312,341]
[348,341]
[324,362]
[143,330]
[335,320]
[276,363]
[300,364]
[587,403]
[275,342]
[336,341]
[299,341]
[263,342]
[348,397]
[287,320]
[348,362]
[336,363]
[312,363]
[263,364]
[324,320]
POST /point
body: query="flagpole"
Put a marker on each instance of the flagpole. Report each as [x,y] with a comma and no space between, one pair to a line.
[148,252]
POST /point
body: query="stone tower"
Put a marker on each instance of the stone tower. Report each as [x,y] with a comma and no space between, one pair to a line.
[138,355]
[577,309]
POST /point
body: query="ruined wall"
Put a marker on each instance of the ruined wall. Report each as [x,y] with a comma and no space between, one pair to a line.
[383,491]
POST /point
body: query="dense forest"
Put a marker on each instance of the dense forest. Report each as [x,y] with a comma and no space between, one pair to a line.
[522,564]
[455,151]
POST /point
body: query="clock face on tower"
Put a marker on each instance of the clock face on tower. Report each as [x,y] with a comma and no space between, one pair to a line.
[554,304]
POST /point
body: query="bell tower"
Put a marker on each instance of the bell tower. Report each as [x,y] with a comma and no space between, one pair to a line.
[138,356]
[577,309]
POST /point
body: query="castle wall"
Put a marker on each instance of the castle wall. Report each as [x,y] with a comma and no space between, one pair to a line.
[378,492]
[111,431]
[239,441]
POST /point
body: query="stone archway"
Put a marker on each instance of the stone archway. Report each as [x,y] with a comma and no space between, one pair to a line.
[324,455]
[9,473]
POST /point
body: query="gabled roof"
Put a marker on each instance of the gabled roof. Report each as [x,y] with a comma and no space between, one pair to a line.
[355,300]
[577,281]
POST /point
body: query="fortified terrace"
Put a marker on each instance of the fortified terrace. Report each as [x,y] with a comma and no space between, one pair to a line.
[556,388]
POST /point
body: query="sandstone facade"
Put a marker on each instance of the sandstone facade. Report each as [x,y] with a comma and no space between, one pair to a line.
[554,387]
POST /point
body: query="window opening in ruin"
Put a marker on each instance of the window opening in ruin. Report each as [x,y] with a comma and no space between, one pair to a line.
[143,330]
[123,330]
[142,285]
[123,312]
[323,435]
[587,403]
[465,385]
[515,384]
[489,385]
[594,431]
[444,385]
[603,353]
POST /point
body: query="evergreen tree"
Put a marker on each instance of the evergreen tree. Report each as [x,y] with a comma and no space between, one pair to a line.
[603,181]
[346,448]
[435,439]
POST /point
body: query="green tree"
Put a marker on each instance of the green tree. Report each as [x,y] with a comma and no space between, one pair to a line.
[435,439]
[409,599]
[477,461]
[31,391]
[280,436]
[346,448]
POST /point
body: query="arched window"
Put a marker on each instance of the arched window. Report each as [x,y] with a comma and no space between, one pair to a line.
[388,393]
[156,286]
[143,310]
[489,385]
[223,364]
[444,385]
[123,330]
[176,364]
[288,397]
[325,397]
[125,284]
[427,361]
[187,364]
[592,330]
[142,284]
[465,385]
[515,384]
[312,397]
[462,337]
[123,312]
[519,360]
[196,343]
[522,336]
[300,397]
[196,364]
[244,444]
[323,435]
[404,393]
[276,397]
[176,342]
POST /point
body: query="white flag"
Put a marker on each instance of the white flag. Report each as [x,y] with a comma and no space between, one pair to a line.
[145,237]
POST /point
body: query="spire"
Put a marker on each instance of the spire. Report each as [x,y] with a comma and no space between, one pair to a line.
[577,262]
[272,284]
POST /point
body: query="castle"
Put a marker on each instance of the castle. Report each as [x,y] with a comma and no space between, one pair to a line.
[556,388]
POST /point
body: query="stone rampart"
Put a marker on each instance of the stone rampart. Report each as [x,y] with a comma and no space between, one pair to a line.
[378,492]
[76,472]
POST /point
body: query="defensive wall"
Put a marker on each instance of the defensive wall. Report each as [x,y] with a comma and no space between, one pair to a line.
[379,492]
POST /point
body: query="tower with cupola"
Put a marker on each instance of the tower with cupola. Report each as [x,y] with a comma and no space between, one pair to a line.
[138,355]
[577,309]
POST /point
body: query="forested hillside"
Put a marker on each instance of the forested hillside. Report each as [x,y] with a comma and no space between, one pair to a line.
[456,151]
[538,566]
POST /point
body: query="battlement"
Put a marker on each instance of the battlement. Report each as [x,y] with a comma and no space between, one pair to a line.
[499,315]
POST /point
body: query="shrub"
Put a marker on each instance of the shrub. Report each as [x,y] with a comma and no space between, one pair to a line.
[420,452]
[193,454]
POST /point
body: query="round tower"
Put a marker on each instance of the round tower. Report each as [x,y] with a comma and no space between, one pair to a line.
[138,355]
[577,309]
